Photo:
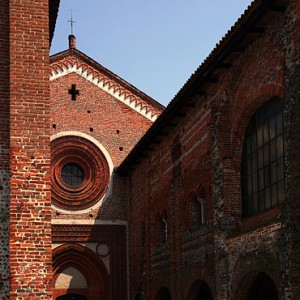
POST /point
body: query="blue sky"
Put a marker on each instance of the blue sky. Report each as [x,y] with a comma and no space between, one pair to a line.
[155,45]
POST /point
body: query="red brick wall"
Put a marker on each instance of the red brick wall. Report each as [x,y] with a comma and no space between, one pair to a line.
[117,127]
[30,230]
[114,124]
[4,148]
[223,251]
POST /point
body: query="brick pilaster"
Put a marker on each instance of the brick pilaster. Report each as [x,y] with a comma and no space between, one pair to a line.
[30,230]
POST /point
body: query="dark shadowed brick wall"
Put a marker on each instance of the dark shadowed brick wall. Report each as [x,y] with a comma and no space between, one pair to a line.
[228,251]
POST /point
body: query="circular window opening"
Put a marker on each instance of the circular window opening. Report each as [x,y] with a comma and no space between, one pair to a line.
[72,175]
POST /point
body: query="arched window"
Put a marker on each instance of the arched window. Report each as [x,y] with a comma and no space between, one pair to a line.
[262,159]
[198,209]
[163,294]
[139,296]
[199,291]
[263,288]
[162,229]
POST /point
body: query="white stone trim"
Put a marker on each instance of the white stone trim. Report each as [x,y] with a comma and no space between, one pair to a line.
[106,85]
[110,165]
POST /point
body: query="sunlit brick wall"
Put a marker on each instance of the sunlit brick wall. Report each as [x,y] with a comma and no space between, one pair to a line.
[30,230]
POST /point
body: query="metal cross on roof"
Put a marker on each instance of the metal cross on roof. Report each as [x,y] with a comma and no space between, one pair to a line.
[72,22]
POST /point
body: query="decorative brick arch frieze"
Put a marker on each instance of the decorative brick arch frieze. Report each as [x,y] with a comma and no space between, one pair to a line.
[87,263]
[73,65]
[95,162]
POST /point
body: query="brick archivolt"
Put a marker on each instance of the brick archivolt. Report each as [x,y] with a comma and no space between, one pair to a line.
[75,147]
[104,83]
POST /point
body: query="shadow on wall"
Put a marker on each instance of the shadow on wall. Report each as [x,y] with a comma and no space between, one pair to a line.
[163,294]
[75,284]
[199,291]
[81,175]
[78,271]
[71,297]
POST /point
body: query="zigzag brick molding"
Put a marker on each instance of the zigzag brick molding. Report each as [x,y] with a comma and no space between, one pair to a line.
[100,80]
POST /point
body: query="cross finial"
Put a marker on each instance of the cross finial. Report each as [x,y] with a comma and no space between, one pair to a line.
[72,22]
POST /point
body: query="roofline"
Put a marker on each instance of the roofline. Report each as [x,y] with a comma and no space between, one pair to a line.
[75,52]
[253,12]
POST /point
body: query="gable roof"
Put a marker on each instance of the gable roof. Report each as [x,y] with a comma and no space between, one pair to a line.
[74,61]
[234,41]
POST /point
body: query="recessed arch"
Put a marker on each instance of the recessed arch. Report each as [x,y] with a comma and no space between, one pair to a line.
[262,288]
[163,294]
[262,175]
[199,291]
[250,280]
[196,208]
[139,296]
[77,258]
[243,110]
[71,278]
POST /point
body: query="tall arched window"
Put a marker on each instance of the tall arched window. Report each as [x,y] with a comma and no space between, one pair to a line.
[262,177]
[198,209]
[162,228]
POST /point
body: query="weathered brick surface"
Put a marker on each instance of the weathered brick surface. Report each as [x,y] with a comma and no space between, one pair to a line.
[291,212]
[199,149]
[228,251]
[4,149]
[30,228]
[76,246]
[98,116]
[113,124]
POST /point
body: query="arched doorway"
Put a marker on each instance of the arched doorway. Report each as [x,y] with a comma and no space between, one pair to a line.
[71,297]
[199,291]
[78,274]
[163,294]
[262,288]
[139,296]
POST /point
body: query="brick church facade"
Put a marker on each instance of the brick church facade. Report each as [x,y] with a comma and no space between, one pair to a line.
[104,194]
